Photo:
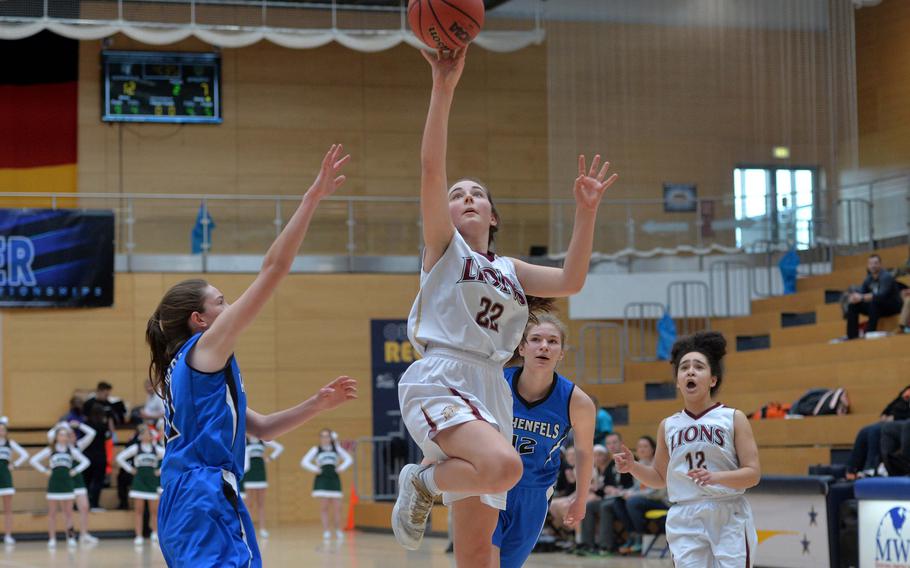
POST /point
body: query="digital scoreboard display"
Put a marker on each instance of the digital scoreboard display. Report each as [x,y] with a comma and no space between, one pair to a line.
[150,86]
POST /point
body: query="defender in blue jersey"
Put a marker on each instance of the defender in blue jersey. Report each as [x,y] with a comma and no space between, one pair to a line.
[202,521]
[546,406]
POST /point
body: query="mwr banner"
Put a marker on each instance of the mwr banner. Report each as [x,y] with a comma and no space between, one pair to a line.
[62,258]
[392,354]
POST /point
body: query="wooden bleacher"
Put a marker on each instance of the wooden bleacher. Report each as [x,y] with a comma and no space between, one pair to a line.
[800,357]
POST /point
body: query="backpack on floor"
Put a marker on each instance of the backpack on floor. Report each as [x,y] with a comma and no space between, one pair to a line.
[771,410]
[821,402]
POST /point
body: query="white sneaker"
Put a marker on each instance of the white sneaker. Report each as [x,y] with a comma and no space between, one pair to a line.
[339,535]
[71,542]
[263,533]
[412,508]
[9,540]
[327,535]
[138,541]
[88,538]
[154,537]
[52,543]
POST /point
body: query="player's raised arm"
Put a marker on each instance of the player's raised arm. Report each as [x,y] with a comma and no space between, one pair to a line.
[217,343]
[269,426]
[434,201]
[548,282]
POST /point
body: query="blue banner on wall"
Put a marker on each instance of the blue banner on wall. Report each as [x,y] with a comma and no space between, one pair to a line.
[391,355]
[56,258]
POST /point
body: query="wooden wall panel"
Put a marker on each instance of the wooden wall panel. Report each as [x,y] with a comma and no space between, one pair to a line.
[883,85]
[314,329]
[282,109]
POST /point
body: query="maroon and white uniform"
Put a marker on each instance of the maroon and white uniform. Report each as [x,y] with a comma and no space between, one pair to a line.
[466,322]
[708,525]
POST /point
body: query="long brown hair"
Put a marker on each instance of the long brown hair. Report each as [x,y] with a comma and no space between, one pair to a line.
[168,328]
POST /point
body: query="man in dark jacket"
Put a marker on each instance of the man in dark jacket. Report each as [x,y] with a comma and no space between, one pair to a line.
[878,296]
[896,436]
[871,447]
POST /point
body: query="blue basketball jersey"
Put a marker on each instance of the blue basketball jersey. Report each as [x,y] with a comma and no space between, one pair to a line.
[539,429]
[205,418]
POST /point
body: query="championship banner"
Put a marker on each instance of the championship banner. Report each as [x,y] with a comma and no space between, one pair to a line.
[392,354]
[56,258]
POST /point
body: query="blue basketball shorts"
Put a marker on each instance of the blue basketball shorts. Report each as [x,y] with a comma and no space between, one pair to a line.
[203,523]
[520,524]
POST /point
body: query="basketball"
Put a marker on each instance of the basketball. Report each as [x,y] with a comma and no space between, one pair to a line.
[446,24]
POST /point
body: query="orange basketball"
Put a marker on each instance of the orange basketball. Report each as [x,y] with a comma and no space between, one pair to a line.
[446,24]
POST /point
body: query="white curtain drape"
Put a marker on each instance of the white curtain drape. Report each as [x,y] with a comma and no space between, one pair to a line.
[681,92]
[365,40]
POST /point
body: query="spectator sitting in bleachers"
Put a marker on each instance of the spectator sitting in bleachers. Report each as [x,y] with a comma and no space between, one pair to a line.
[603,422]
[896,447]
[75,413]
[867,449]
[878,296]
[903,322]
[644,500]
[608,504]
[565,483]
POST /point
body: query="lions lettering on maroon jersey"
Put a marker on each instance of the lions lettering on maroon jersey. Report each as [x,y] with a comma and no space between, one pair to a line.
[471,302]
[539,428]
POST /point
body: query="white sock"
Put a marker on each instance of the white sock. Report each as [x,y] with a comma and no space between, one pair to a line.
[427,478]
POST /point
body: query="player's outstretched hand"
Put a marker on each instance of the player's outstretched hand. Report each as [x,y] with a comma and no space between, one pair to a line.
[576,512]
[591,185]
[447,66]
[701,476]
[330,177]
[337,392]
[624,460]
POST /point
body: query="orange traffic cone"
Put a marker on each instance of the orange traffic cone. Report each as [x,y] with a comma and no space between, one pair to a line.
[353,502]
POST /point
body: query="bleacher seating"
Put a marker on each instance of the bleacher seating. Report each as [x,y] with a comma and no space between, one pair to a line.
[800,357]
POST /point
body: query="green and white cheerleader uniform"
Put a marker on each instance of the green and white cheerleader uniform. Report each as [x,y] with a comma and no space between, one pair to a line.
[83,442]
[255,476]
[146,462]
[324,461]
[7,447]
[65,462]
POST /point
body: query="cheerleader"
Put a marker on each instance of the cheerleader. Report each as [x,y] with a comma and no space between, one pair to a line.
[146,456]
[254,481]
[79,490]
[61,456]
[323,461]
[7,447]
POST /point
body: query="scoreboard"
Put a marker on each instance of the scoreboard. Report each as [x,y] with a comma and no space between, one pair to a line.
[156,86]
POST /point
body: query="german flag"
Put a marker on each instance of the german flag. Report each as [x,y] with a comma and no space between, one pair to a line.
[38,116]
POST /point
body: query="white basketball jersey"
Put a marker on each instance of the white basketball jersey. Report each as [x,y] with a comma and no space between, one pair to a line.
[471,302]
[704,441]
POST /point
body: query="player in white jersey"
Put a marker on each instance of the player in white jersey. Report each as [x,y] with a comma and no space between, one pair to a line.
[466,322]
[707,458]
